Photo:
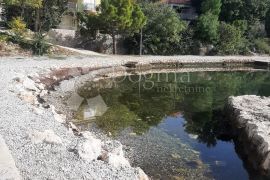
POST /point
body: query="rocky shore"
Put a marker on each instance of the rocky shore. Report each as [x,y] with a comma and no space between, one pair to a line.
[250,120]
[41,143]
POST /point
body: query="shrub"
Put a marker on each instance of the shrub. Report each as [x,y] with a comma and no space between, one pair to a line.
[231,40]
[262,45]
[39,44]
[17,26]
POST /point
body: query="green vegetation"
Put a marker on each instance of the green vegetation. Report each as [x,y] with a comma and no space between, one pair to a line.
[117,17]
[262,45]
[162,31]
[267,23]
[223,27]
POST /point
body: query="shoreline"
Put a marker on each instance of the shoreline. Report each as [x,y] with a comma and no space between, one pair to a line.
[20,118]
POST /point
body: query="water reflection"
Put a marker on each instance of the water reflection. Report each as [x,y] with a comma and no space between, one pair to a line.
[146,102]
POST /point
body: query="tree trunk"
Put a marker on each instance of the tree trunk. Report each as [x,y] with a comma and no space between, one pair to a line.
[37,21]
[114,44]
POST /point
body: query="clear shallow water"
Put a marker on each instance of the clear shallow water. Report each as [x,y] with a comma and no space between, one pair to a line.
[173,124]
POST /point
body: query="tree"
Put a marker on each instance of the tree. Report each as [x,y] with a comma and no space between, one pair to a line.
[267,23]
[162,30]
[207,27]
[213,6]
[120,17]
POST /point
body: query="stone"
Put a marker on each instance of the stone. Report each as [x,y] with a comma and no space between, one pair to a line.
[8,169]
[29,84]
[141,174]
[114,155]
[89,148]
[48,136]
[58,116]
[28,97]
[117,161]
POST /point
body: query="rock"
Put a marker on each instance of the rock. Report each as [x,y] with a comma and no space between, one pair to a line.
[90,148]
[113,147]
[141,174]
[48,136]
[43,93]
[175,156]
[117,161]
[250,121]
[8,169]
[29,84]
[28,97]
[114,155]
[58,116]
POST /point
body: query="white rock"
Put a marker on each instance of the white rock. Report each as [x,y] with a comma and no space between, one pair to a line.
[113,147]
[43,93]
[58,116]
[117,161]
[114,154]
[141,174]
[48,136]
[28,97]
[89,149]
[29,84]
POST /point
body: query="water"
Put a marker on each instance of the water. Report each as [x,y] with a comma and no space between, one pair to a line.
[173,124]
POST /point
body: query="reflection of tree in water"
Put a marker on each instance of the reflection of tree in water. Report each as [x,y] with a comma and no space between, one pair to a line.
[133,106]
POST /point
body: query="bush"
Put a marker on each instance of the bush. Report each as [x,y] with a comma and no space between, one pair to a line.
[262,45]
[162,30]
[231,40]
[39,44]
[17,26]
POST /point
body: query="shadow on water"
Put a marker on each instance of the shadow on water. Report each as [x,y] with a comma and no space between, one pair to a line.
[179,113]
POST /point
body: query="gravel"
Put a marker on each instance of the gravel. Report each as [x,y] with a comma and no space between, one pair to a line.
[18,119]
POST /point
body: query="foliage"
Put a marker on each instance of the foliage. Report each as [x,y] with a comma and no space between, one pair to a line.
[39,45]
[163,29]
[89,25]
[213,6]
[231,39]
[267,23]
[120,17]
[262,45]
[207,27]
[250,10]
[39,15]
[17,26]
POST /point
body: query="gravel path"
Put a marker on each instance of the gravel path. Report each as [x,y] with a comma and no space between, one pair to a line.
[18,119]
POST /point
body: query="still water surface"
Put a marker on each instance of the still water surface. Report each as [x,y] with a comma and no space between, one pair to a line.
[173,125]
